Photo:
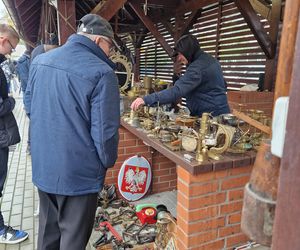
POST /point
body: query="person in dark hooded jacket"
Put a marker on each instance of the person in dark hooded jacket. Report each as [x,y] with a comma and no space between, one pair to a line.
[202,85]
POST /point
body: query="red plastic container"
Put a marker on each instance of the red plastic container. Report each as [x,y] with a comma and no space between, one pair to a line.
[147,215]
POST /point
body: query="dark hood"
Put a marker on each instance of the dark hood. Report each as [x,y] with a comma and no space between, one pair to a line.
[187,45]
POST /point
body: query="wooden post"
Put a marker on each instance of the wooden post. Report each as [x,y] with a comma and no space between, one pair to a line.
[287,48]
[66,16]
[287,220]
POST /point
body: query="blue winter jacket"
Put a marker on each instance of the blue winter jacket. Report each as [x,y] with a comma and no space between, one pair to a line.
[202,84]
[74,106]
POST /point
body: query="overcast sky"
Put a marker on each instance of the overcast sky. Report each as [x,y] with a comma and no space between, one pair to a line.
[2,9]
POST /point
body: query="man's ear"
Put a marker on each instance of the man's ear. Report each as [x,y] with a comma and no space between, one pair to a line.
[98,40]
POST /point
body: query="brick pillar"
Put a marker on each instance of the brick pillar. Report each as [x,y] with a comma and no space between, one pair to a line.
[209,208]
[251,100]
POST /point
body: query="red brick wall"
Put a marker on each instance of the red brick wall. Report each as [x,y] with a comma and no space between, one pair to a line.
[251,100]
[209,209]
[163,170]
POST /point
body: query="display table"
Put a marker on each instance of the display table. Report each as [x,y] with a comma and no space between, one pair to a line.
[210,194]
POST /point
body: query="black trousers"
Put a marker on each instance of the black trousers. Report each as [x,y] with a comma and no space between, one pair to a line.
[3,174]
[65,222]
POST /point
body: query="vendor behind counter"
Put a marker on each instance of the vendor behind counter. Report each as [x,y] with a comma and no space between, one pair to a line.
[202,84]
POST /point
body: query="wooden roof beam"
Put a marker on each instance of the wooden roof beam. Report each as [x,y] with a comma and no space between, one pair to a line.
[109,8]
[256,27]
[150,26]
[193,5]
[182,25]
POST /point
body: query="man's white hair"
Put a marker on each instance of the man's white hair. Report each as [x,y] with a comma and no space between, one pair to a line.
[90,36]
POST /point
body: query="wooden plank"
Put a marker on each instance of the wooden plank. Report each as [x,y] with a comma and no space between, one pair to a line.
[240,33]
[256,27]
[108,9]
[250,64]
[241,81]
[250,68]
[150,26]
[240,51]
[252,122]
[250,39]
[241,75]
[286,228]
[241,57]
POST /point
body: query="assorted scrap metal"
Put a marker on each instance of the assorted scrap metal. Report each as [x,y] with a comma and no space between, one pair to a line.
[126,226]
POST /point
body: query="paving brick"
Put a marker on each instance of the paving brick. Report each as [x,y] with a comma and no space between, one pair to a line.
[6,206]
[28,212]
[15,220]
[27,223]
[16,209]
[18,199]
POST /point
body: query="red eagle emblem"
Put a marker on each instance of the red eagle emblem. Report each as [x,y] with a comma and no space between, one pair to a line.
[134,179]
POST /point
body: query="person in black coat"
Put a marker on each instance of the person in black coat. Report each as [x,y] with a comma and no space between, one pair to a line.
[9,133]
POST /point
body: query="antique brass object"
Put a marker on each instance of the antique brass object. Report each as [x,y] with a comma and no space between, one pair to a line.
[201,154]
[186,121]
[228,132]
[126,67]
[189,140]
[148,124]
[147,84]
[134,92]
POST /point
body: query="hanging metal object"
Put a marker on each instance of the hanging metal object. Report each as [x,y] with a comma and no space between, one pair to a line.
[145,7]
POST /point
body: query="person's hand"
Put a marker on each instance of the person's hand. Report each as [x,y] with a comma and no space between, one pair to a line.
[137,103]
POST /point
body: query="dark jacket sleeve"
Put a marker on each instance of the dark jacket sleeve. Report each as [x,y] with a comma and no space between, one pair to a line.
[105,118]
[6,105]
[183,86]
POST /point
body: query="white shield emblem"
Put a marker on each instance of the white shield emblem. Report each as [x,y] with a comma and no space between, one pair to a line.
[134,178]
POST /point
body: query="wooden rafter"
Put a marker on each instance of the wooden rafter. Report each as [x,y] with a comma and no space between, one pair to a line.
[256,27]
[109,8]
[274,27]
[150,26]
[193,5]
[182,25]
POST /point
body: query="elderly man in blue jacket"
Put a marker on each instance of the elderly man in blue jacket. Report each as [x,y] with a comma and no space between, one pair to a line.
[75,114]
[202,84]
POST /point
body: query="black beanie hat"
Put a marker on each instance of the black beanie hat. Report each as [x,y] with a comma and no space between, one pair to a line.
[187,45]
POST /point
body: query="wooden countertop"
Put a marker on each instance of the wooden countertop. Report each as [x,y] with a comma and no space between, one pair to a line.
[194,167]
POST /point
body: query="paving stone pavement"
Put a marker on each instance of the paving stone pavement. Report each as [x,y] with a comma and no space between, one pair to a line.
[20,198]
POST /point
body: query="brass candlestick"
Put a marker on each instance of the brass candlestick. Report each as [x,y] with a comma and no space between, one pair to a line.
[202,151]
